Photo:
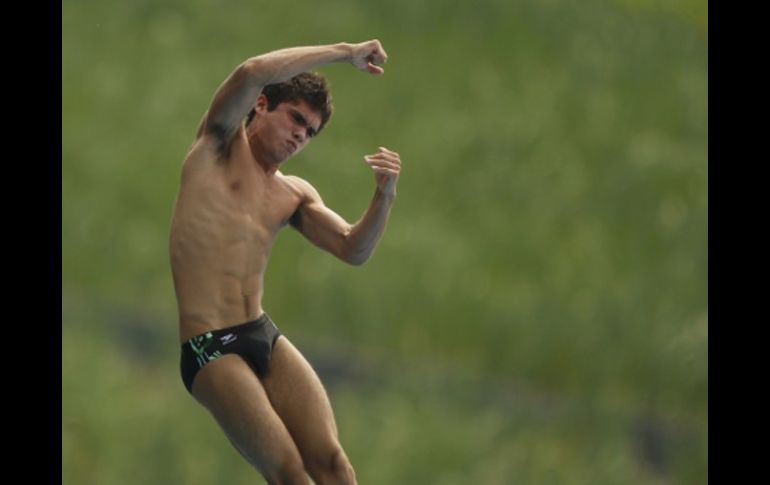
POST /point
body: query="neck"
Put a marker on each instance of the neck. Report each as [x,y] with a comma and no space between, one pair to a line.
[261,158]
[268,168]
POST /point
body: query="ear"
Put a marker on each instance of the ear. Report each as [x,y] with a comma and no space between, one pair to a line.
[261,105]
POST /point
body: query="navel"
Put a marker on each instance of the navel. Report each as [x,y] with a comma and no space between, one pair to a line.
[235,186]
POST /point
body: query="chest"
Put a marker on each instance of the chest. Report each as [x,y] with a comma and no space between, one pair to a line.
[259,201]
[236,200]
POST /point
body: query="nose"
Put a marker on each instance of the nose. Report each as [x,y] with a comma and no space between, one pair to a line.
[298,133]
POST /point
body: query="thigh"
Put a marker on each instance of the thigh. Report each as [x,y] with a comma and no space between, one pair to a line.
[300,400]
[233,394]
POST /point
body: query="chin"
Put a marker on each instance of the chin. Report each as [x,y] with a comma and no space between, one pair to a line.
[281,158]
[288,155]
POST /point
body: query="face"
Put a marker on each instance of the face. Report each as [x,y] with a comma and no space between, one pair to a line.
[276,135]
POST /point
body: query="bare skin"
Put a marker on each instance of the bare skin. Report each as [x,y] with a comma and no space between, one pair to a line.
[233,200]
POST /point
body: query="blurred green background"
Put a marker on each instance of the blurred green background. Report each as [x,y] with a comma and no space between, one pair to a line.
[537,309]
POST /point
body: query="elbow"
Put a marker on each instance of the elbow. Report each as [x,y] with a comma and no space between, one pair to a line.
[355,257]
[356,260]
[256,69]
[352,250]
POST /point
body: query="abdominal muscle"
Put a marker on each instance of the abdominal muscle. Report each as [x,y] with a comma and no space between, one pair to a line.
[209,297]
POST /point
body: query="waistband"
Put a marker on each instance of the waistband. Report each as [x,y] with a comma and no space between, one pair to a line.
[261,320]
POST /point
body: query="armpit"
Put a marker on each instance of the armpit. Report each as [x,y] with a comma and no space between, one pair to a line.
[222,137]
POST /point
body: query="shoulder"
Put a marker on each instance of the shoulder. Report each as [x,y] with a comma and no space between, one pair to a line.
[302,188]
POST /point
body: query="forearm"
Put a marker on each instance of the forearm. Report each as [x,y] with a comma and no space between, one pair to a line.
[283,64]
[365,234]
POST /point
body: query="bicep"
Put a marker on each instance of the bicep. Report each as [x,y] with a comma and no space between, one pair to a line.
[321,226]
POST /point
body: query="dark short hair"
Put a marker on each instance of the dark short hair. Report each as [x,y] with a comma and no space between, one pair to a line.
[309,87]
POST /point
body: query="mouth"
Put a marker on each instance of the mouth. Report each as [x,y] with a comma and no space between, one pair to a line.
[292,146]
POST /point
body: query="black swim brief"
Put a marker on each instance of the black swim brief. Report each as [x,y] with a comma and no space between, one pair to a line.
[251,340]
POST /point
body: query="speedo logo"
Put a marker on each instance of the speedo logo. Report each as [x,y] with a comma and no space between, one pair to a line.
[227,339]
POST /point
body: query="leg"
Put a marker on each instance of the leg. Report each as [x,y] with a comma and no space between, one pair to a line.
[231,392]
[300,400]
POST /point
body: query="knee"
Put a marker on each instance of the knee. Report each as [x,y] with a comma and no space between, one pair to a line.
[334,468]
[290,472]
[342,469]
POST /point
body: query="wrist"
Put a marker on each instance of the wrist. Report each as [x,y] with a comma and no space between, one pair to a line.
[387,194]
[346,51]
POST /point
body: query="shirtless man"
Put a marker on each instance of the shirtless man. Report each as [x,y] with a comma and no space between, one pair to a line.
[232,202]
